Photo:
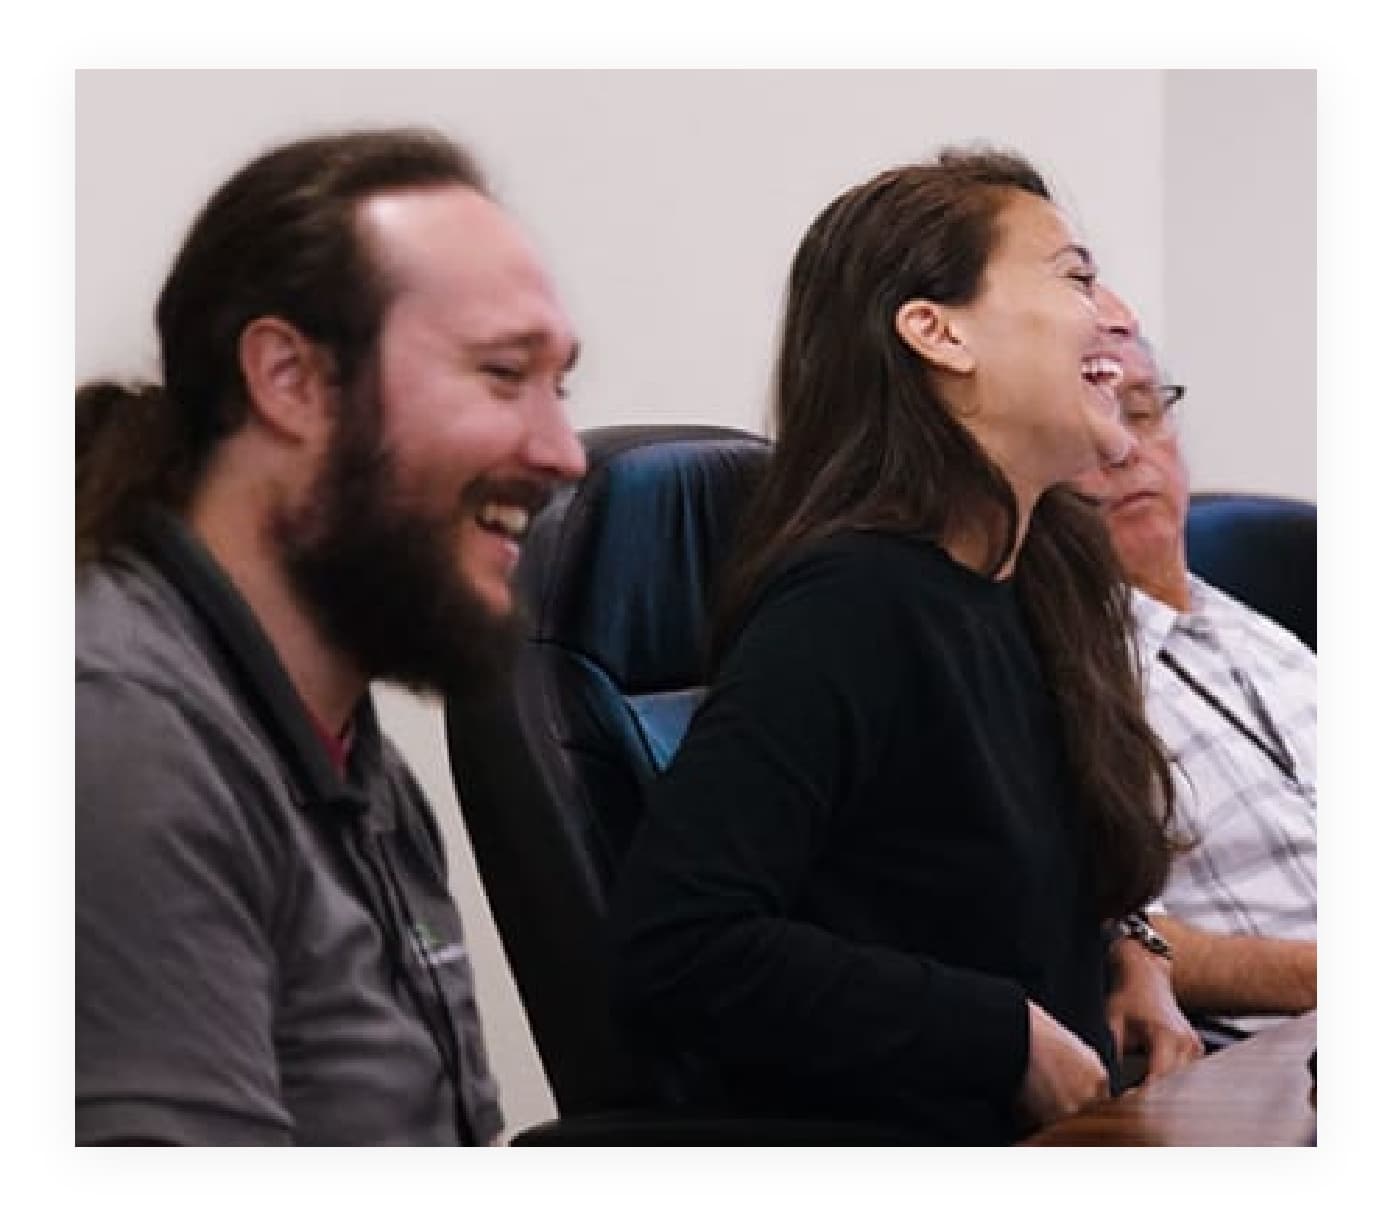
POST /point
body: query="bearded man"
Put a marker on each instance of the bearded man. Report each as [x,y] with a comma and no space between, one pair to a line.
[361,409]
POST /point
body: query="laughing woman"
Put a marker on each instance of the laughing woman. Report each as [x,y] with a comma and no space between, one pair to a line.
[877,880]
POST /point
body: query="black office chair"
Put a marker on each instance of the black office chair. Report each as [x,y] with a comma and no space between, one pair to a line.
[1261,550]
[617,572]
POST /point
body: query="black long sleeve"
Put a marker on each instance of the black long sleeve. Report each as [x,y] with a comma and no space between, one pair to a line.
[864,858]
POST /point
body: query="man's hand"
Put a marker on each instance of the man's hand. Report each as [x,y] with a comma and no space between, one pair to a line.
[1143,1014]
[1064,1074]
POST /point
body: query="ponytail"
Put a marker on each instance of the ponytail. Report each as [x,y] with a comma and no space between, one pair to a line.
[130,453]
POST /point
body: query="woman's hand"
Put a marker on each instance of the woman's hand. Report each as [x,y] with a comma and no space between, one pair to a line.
[1064,1074]
[1143,1014]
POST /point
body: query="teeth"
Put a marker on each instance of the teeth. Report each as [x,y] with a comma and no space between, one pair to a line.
[1102,371]
[509,518]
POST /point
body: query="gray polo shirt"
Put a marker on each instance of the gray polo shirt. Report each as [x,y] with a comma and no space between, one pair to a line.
[266,953]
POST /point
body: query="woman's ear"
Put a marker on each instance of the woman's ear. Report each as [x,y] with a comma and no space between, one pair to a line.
[929,330]
[286,377]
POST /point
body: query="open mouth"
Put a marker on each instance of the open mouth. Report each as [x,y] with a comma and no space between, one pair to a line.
[1102,372]
[507,519]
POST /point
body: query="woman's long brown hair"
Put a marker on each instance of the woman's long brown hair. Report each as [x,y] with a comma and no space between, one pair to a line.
[863,441]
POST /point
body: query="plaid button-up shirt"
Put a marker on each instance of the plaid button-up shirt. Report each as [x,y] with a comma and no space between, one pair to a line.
[1253,869]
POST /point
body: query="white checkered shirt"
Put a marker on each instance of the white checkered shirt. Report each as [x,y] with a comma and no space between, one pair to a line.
[1253,870]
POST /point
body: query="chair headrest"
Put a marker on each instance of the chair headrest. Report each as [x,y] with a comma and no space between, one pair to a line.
[1220,510]
[1262,550]
[619,568]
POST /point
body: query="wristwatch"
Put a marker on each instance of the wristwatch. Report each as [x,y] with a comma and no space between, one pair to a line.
[1134,925]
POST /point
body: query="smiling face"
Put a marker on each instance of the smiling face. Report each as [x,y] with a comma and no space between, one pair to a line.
[1146,499]
[473,354]
[1035,369]
[452,438]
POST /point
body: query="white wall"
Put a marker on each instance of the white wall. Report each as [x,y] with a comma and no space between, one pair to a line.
[669,205]
[1239,242]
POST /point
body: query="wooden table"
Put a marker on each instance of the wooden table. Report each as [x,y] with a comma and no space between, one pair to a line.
[1257,1093]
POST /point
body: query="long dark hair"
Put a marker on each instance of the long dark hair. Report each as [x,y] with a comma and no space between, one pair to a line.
[863,441]
[279,238]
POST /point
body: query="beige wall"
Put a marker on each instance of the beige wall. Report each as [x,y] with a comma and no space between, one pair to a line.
[669,205]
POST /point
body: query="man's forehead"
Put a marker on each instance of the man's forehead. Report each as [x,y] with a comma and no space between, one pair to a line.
[446,234]
[403,216]
[456,249]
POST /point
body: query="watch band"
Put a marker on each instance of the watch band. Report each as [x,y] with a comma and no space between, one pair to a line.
[1134,925]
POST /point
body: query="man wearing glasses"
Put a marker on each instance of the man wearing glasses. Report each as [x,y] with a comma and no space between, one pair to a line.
[1233,696]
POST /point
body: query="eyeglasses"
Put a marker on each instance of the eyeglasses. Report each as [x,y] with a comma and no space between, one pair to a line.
[1146,410]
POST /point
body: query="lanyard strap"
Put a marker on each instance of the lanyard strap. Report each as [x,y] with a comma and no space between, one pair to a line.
[439,1023]
[1275,749]
[385,901]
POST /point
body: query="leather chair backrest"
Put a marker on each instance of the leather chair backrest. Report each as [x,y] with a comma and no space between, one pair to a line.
[618,574]
[1261,550]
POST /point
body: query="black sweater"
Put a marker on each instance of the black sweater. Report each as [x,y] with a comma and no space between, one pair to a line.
[866,855]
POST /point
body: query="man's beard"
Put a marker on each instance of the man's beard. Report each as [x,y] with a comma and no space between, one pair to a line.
[379,574]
